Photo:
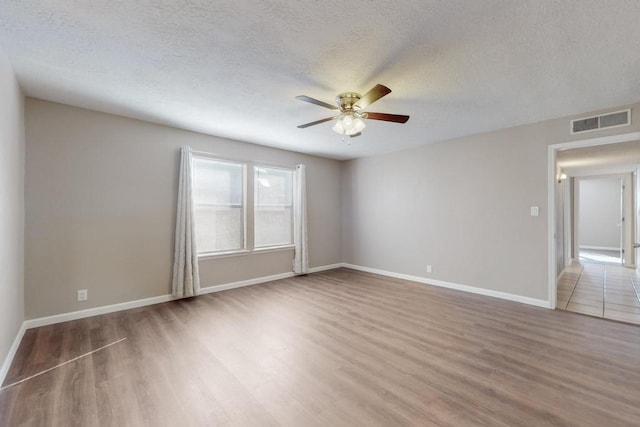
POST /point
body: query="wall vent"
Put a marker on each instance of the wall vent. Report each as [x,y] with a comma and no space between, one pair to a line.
[603,121]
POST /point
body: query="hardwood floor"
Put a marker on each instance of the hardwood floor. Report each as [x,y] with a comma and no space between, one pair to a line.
[339,348]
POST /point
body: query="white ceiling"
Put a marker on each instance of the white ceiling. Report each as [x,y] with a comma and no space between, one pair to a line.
[233,68]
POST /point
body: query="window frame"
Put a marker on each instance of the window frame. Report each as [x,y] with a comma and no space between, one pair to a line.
[244,164]
[271,247]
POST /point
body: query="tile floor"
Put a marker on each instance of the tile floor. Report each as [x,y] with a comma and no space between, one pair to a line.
[603,256]
[602,290]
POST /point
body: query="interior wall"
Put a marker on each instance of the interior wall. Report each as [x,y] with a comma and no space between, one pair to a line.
[461,206]
[12,163]
[101,193]
[600,213]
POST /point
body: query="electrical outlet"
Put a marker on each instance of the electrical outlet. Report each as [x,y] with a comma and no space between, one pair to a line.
[428,269]
[83,295]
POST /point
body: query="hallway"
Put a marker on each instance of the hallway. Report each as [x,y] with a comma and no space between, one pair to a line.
[602,290]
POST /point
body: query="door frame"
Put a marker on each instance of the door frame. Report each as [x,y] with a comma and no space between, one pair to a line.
[624,222]
[636,205]
[551,198]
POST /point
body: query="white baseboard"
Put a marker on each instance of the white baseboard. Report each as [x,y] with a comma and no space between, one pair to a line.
[96,311]
[6,364]
[456,286]
[74,315]
[242,283]
[224,287]
[600,248]
[64,317]
[325,267]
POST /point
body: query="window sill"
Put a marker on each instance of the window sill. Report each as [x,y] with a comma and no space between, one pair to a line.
[274,248]
[215,255]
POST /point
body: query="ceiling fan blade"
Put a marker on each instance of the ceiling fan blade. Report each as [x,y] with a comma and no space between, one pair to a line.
[317,122]
[397,118]
[372,96]
[306,98]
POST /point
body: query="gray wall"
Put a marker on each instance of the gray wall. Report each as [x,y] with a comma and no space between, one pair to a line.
[101,192]
[11,207]
[461,206]
[600,213]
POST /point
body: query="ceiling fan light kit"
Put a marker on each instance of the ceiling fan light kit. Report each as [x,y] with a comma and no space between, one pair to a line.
[350,121]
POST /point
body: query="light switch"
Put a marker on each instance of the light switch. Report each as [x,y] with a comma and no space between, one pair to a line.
[535,211]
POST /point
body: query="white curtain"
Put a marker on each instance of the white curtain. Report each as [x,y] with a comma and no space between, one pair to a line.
[301,258]
[186,279]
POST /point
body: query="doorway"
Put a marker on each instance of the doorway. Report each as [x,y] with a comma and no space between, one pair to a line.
[597,282]
[564,245]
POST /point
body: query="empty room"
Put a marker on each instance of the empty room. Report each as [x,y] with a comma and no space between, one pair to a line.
[249,213]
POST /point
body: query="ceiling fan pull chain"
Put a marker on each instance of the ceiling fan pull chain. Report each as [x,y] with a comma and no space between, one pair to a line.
[346,138]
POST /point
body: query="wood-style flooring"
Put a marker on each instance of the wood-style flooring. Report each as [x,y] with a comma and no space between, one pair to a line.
[338,348]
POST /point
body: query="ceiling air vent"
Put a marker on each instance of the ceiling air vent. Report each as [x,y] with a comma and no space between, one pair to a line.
[609,120]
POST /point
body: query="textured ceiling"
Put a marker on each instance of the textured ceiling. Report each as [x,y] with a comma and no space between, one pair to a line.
[233,68]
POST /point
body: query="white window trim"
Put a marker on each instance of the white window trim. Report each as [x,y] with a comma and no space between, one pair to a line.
[243,250]
[225,254]
[270,248]
[261,249]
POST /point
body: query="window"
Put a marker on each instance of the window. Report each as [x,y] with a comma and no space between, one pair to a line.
[273,212]
[219,212]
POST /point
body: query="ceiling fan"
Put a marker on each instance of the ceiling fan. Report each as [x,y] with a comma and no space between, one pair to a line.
[350,120]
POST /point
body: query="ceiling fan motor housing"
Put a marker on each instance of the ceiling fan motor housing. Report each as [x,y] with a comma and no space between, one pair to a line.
[347,100]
